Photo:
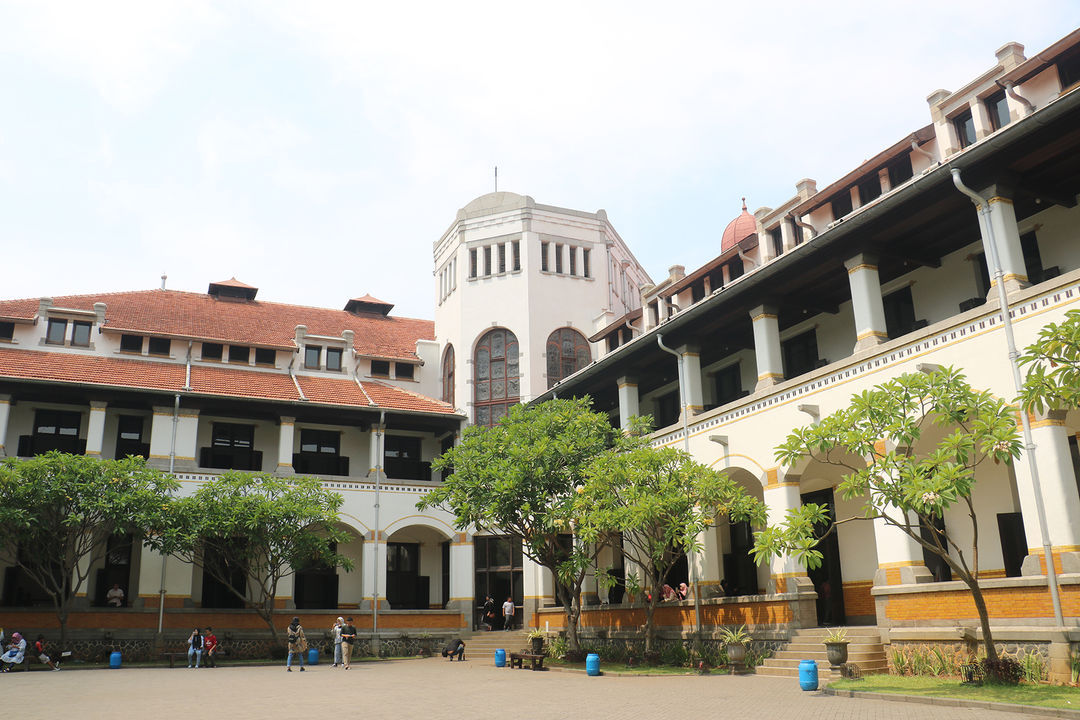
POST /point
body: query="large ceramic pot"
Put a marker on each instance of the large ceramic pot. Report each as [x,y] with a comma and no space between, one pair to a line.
[537,645]
[836,652]
[736,653]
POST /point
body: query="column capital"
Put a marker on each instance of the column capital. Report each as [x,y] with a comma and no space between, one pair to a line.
[627,381]
[688,349]
[861,261]
[1003,189]
[764,311]
[286,420]
[168,410]
[98,405]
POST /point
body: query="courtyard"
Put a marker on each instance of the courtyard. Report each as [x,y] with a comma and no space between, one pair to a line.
[434,688]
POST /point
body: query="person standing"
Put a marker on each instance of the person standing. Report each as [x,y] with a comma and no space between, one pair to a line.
[488,613]
[348,637]
[210,644]
[508,614]
[194,647]
[297,644]
[336,633]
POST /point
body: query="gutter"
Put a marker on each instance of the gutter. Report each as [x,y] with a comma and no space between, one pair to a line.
[760,277]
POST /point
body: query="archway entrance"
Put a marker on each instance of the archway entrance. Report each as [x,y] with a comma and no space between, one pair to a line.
[828,578]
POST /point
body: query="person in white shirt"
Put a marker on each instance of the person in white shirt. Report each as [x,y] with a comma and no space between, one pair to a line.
[15,652]
[115,596]
[508,614]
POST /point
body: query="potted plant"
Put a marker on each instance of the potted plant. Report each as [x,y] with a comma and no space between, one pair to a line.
[736,641]
[536,639]
[836,643]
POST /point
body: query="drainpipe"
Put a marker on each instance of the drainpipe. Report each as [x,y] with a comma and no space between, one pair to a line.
[925,153]
[990,245]
[805,226]
[380,449]
[686,448]
[1010,90]
[187,370]
[292,375]
[172,466]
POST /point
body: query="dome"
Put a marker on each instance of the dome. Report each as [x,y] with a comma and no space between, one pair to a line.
[738,229]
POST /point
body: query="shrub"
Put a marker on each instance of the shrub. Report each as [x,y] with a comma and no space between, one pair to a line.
[1003,671]
[557,647]
[675,654]
[1032,667]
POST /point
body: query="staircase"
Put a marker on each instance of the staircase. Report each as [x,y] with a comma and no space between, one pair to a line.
[481,645]
[864,650]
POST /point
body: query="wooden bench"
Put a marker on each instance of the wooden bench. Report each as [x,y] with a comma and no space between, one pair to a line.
[517,660]
[174,655]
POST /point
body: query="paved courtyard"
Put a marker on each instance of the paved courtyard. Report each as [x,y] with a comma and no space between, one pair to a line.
[432,688]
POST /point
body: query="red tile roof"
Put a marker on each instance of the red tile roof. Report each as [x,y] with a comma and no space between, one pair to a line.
[203,317]
[223,381]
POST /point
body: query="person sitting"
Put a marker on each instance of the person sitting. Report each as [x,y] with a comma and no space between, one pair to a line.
[195,647]
[668,593]
[16,652]
[454,647]
[683,592]
[115,596]
[43,656]
[210,645]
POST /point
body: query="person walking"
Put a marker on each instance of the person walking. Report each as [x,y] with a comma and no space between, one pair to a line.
[297,644]
[488,613]
[508,614]
[194,647]
[335,631]
[43,656]
[348,637]
[210,644]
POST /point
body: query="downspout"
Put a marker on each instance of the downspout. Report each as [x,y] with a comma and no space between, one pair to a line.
[1010,90]
[380,449]
[747,259]
[990,245]
[172,466]
[925,153]
[686,448]
[805,226]
[292,375]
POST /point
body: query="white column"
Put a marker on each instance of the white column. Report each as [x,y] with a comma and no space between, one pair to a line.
[462,571]
[770,365]
[900,558]
[628,400]
[691,359]
[374,577]
[787,233]
[1003,221]
[286,598]
[765,247]
[883,178]
[782,495]
[866,302]
[95,428]
[856,199]
[5,415]
[709,561]
[981,120]
[161,438]
[1061,499]
[286,431]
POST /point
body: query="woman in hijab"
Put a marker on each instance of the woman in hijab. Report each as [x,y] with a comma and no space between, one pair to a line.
[194,647]
[297,644]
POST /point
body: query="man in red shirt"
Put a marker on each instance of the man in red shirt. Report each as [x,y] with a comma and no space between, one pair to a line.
[210,645]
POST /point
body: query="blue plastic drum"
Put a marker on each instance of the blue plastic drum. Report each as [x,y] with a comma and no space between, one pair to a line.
[808,675]
[313,656]
[592,664]
[500,658]
[114,660]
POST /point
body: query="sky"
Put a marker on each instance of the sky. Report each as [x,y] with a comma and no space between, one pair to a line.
[317,150]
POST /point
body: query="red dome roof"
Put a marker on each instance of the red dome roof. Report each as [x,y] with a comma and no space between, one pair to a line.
[738,229]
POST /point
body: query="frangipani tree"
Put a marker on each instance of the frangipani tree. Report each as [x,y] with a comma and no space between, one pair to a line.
[874,441]
[1053,367]
[660,500]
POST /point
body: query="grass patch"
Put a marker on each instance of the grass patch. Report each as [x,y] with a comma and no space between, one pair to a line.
[1051,696]
[617,668]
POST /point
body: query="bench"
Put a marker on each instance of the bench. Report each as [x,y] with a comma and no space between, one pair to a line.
[517,660]
[174,655]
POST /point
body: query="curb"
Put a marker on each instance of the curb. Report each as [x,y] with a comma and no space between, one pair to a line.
[957,702]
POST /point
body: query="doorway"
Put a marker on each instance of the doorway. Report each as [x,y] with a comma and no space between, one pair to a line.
[406,588]
[498,572]
[827,579]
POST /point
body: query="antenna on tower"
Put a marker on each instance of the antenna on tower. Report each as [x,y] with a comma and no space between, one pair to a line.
[496,178]
[163,278]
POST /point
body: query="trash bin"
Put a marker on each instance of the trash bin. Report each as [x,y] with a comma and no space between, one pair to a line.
[592,664]
[808,675]
[500,658]
[313,656]
[114,660]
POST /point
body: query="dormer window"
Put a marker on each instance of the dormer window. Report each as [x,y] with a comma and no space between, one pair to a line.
[239,354]
[7,330]
[997,107]
[80,333]
[133,344]
[380,368]
[159,346]
[265,356]
[403,371]
[57,329]
[964,124]
[333,359]
[212,351]
[841,205]
[313,357]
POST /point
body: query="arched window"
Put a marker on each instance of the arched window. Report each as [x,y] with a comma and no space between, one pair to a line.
[448,375]
[497,383]
[567,352]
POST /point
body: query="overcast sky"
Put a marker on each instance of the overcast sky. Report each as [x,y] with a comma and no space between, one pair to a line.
[316,150]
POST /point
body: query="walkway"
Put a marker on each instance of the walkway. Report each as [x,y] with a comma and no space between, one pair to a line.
[434,688]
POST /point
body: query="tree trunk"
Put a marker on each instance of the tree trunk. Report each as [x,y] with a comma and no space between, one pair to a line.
[650,627]
[984,617]
[62,616]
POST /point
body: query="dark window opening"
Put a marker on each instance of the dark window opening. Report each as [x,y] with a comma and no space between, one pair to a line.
[936,564]
[212,351]
[1013,542]
[869,189]
[612,341]
[56,331]
[404,371]
[313,356]
[667,409]
[697,291]
[716,279]
[800,354]
[7,330]
[333,358]
[265,356]
[544,256]
[964,125]
[982,277]
[487,260]
[797,230]
[729,384]
[558,258]
[497,563]
[159,346]
[735,268]
[53,430]
[1029,245]
[997,107]
[573,259]
[515,255]
[501,248]
[380,368]
[900,171]
[80,333]
[1069,70]
[320,453]
[239,353]
[232,447]
[1074,452]
[899,312]
[401,459]
[841,205]
[776,235]
[448,370]
[472,262]
[129,437]
[585,271]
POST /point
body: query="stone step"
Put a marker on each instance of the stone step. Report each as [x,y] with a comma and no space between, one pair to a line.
[822,656]
[794,662]
[852,633]
[820,647]
[824,674]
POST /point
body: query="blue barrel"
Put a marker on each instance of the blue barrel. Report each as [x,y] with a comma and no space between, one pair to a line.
[114,660]
[808,675]
[592,664]
[500,658]
[313,656]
